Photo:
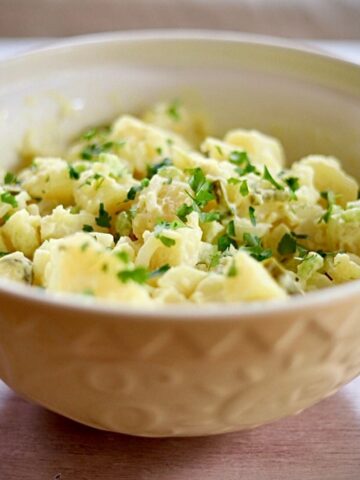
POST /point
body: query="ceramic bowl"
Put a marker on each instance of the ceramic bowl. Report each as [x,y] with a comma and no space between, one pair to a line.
[180,371]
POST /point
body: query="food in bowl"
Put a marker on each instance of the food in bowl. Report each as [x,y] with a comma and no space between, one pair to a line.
[153,211]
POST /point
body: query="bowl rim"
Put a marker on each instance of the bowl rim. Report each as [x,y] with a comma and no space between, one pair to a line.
[182,34]
[211,311]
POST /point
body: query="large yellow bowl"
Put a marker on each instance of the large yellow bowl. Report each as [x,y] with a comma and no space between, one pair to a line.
[181,370]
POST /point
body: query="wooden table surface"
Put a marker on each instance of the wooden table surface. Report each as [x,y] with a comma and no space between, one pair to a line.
[322,443]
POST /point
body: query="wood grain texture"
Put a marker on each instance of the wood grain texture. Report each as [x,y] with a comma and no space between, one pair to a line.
[321,443]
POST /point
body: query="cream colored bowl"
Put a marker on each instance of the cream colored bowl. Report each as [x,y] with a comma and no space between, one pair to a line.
[182,370]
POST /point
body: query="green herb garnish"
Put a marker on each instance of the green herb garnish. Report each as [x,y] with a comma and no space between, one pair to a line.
[253,246]
[173,110]
[207,217]
[123,256]
[184,211]
[215,260]
[137,188]
[160,271]
[9,198]
[241,160]
[293,184]
[232,272]
[10,178]
[233,181]
[244,189]
[252,216]
[73,173]
[267,176]
[87,228]
[89,134]
[329,196]
[287,245]
[163,225]
[203,188]
[230,229]
[238,158]
[225,241]
[138,275]
[104,219]
[168,242]
[153,169]
[95,149]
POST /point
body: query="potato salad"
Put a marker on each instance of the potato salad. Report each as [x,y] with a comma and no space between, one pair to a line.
[152,211]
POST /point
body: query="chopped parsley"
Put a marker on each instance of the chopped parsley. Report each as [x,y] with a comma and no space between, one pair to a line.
[173,110]
[242,162]
[87,228]
[230,229]
[215,260]
[238,158]
[10,178]
[244,189]
[73,173]
[138,275]
[94,150]
[301,252]
[137,188]
[2,254]
[233,181]
[163,225]
[287,244]
[168,242]
[329,196]
[225,241]
[232,272]
[104,219]
[9,198]
[123,256]
[253,246]
[203,188]
[207,217]
[184,211]
[293,184]
[252,216]
[6,217]
[267,176]
[158,150]
[160,271]
[89,134]
[153,169]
